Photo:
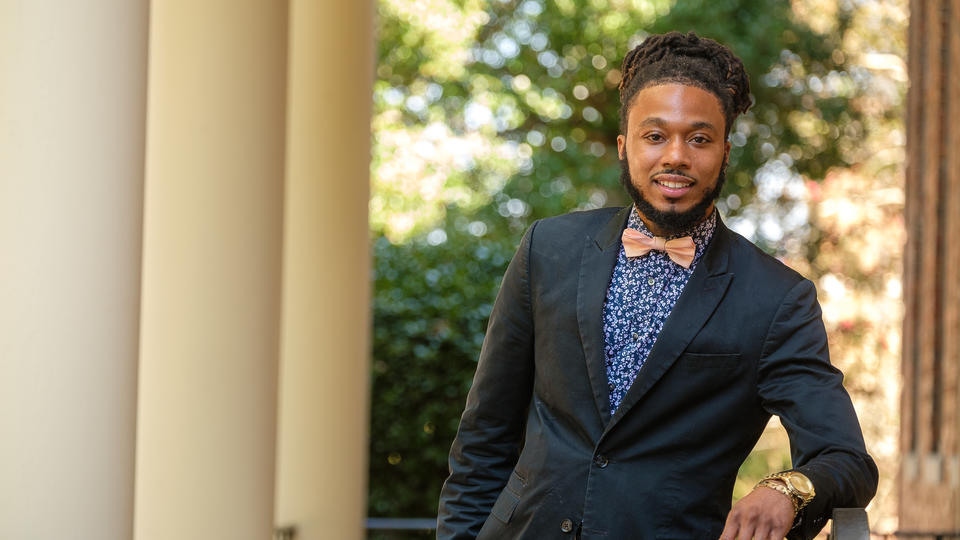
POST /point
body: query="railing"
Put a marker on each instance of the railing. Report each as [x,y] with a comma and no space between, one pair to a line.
[402,524]
[289,532]
[848,524]
[942,535]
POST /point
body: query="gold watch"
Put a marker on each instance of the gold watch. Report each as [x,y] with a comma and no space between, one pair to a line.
[795,484]
[779,486]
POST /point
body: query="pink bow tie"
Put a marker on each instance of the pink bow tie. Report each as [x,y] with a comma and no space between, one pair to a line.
[680,250]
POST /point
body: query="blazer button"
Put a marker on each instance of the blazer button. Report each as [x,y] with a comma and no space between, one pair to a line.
[600,461]
[566,526]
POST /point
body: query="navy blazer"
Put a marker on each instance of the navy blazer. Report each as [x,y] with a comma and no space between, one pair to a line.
[538,453]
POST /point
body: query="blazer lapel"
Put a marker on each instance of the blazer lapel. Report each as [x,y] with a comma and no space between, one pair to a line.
[700,297]
[596,266]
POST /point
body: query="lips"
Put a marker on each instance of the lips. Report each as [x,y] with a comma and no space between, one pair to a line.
[673,185]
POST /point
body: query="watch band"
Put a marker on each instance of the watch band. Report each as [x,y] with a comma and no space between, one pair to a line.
[782,488]
[796,484]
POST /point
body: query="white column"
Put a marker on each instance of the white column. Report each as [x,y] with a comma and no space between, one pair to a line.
[322,447]
[72,90]
[212,255]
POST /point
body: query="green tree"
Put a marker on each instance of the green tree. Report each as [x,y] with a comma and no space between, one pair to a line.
[489,115]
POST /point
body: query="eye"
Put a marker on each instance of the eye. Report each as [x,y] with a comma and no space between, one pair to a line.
[654,137]
[699,139]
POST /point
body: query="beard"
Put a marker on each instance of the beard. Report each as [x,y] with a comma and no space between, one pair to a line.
[671,222]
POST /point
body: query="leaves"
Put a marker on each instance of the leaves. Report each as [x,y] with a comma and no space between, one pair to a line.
[489,115]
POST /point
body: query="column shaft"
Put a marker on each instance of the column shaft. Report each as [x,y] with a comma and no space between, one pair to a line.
[212,254]
[72,91]
[322,447]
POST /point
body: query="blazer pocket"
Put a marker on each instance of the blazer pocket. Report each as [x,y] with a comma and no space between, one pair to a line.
[703,361]
[509,498]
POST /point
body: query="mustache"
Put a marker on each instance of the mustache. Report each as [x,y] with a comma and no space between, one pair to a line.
[675,172]
[672,172]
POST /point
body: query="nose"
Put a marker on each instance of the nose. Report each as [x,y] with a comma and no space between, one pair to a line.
[675,154]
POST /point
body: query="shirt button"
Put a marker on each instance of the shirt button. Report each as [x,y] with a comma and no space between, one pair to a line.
[651,281]
[566,526]
[635,336]
[601,461]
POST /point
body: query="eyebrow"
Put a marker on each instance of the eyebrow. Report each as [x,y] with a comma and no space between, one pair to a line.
[660,122]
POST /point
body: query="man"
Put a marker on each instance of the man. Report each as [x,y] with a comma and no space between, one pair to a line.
[634,355]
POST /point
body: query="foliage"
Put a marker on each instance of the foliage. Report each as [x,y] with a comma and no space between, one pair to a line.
[476,100]
[858,215]
[489,115]
[431,308]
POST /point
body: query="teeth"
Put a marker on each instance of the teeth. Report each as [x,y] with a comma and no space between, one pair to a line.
[673,185]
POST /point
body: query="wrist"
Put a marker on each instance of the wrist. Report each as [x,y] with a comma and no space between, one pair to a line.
[778,485]
[793,484]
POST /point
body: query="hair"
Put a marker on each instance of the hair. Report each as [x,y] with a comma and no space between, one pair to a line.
[686,59]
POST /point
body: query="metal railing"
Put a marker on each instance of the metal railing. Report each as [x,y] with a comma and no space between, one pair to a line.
[289,532]
[848,524]
[402,524]
[935,535]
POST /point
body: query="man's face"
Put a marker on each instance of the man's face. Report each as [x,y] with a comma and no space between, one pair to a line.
[673,155]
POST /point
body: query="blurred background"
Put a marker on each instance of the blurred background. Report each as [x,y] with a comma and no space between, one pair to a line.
[248,249]
[489,115]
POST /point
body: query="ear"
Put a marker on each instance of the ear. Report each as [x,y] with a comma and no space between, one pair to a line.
[726,153]
[622,141]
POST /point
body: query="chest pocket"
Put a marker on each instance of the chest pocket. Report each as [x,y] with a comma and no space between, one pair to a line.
[709,362]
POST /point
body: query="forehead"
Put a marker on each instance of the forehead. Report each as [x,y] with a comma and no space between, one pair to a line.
[676,103]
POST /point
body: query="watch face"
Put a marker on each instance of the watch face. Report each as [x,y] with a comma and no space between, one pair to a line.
[801,483]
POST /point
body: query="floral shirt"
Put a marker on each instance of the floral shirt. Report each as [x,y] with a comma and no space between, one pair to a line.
[642,293]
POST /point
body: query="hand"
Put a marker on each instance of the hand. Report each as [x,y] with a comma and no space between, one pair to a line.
[764,514]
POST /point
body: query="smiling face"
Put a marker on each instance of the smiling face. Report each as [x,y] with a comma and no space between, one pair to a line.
[674,152]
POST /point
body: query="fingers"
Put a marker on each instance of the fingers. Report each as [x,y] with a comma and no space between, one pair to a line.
[737,526]
[730,529]
[748,533]
[764,514]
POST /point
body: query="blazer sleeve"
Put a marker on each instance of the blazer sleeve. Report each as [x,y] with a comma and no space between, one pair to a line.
[797,382]
[489,438]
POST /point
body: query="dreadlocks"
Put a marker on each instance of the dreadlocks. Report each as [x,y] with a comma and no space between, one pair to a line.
[686,59]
